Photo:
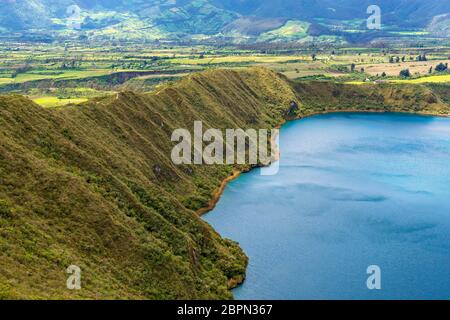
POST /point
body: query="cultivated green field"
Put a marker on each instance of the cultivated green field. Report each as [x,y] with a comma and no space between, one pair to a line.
[72,72]
[432,79]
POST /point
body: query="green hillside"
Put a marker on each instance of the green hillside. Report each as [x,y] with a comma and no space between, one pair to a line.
[93,185]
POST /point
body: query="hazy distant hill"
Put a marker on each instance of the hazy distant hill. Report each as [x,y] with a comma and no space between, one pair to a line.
[161,19]
[402,12]
[23,14]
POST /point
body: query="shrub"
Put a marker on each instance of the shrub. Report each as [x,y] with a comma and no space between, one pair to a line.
[405,73]
[441,67]
[5,209]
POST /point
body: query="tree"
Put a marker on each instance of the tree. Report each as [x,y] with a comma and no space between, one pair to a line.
[391,60]
[441,67]
[405,73]
[422,57]
[384,74]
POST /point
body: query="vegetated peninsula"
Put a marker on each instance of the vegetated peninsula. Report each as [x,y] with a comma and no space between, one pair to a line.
[93,185]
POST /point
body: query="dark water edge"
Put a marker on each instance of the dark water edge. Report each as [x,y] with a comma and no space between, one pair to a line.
[353,190]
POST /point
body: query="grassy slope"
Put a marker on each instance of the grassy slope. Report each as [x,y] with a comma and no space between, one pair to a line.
[94,185]
[319,97]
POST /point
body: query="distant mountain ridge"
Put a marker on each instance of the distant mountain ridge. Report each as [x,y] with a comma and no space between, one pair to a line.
[196,19]
[411,12]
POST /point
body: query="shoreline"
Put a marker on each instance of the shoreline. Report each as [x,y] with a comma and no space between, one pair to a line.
[217,194]
[236,282]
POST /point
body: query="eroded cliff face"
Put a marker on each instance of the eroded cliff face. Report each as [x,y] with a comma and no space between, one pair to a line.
[94,185]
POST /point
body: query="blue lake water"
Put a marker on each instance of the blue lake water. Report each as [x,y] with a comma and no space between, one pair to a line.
[353,190]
